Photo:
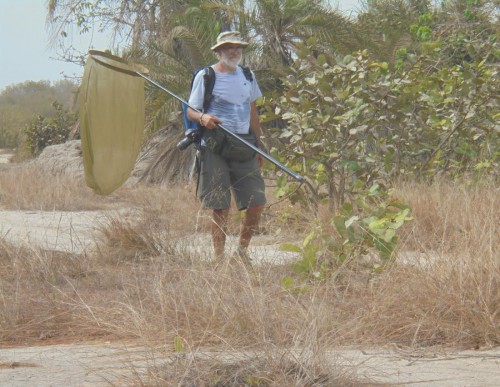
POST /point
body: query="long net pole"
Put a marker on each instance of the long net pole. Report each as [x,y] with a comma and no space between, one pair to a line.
[269,158]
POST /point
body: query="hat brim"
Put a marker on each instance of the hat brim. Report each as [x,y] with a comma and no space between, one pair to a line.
[238,42]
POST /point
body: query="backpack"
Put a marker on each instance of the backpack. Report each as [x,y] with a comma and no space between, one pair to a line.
[208,83]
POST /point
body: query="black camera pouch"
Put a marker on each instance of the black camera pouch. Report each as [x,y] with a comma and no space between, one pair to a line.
[229,147]
[235,150]
[214,140]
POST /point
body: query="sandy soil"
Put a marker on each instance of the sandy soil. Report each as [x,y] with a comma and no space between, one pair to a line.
[110,363]
[106,363]
[5,156]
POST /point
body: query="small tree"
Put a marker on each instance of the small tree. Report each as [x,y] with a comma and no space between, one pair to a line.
[354,124]
[335,138]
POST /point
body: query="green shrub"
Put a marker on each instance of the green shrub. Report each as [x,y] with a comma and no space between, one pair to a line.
[45,131]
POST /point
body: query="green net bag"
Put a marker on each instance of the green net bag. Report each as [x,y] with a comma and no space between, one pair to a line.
[111,120]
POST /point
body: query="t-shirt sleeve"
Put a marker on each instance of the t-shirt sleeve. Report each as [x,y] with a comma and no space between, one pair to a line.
[197,91]
[255,93]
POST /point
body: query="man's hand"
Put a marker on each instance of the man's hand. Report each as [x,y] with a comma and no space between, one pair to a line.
[209,121]
[261,160]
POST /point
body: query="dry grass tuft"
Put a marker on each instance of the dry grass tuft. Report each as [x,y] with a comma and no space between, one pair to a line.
[37,298]
[272,368]
[122,241]
[172,207]
[451,218]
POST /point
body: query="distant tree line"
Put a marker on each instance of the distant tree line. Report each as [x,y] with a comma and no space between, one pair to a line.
[30,103]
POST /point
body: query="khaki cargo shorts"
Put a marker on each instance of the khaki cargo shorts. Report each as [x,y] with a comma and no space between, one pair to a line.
[219,177]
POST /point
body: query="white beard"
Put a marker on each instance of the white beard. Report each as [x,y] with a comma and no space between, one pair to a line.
[230,62]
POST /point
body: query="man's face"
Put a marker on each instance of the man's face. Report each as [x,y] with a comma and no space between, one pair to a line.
[231,55]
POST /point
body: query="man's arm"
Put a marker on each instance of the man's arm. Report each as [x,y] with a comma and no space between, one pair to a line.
[207,120]
[255,121]
[255,127]
[193,116]
[196,100]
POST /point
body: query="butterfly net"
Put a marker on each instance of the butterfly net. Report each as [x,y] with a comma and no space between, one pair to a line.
[111,120]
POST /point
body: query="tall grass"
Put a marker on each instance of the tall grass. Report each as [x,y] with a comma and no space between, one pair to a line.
[142,283]
[28,187]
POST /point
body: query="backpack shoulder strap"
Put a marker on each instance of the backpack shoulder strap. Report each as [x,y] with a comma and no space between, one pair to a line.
[247,72]
[208,83]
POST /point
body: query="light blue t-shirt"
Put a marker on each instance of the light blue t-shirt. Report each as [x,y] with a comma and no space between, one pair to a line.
[232,96]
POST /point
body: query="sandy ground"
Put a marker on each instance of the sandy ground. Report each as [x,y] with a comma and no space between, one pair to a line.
[5,156]
[107,363]
[111,364]
[62,231]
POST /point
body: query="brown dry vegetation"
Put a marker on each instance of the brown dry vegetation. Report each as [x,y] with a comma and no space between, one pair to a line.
[443,288]
[28,187]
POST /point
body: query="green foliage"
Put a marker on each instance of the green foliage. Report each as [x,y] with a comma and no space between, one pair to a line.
[423,30]
[355,124]
[367,226]
[389,23]
[370,224]
[10,119]
[44,131]
[328,110]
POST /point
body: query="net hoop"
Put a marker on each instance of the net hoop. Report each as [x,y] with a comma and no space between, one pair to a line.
[116,63]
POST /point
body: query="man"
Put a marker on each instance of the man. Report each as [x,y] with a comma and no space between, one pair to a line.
[233,106]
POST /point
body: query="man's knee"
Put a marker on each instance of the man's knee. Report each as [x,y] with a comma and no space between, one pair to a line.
[256,209]
[253,213]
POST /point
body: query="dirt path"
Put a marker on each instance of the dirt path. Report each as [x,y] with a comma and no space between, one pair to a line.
[5,155]
[105,364]
[62,231]
[75,232]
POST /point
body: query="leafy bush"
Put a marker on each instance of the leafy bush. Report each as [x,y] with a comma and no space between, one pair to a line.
[43,131]
[363,228]
[354,124]
[355,121]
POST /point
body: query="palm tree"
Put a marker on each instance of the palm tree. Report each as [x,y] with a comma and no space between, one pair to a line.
[277,26]
[386,24]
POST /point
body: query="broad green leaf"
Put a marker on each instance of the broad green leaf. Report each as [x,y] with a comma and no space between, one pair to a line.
[290,248]
[389,234]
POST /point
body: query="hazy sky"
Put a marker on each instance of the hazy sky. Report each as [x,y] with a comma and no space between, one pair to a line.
[25,53]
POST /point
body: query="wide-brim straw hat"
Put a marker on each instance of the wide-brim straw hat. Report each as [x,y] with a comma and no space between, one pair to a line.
[229,37]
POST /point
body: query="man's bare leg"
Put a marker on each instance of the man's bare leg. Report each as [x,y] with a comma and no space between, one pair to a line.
[249,225]
[219,231]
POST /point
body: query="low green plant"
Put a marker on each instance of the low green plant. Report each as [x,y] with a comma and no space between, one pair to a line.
[353,125]
[366,227]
